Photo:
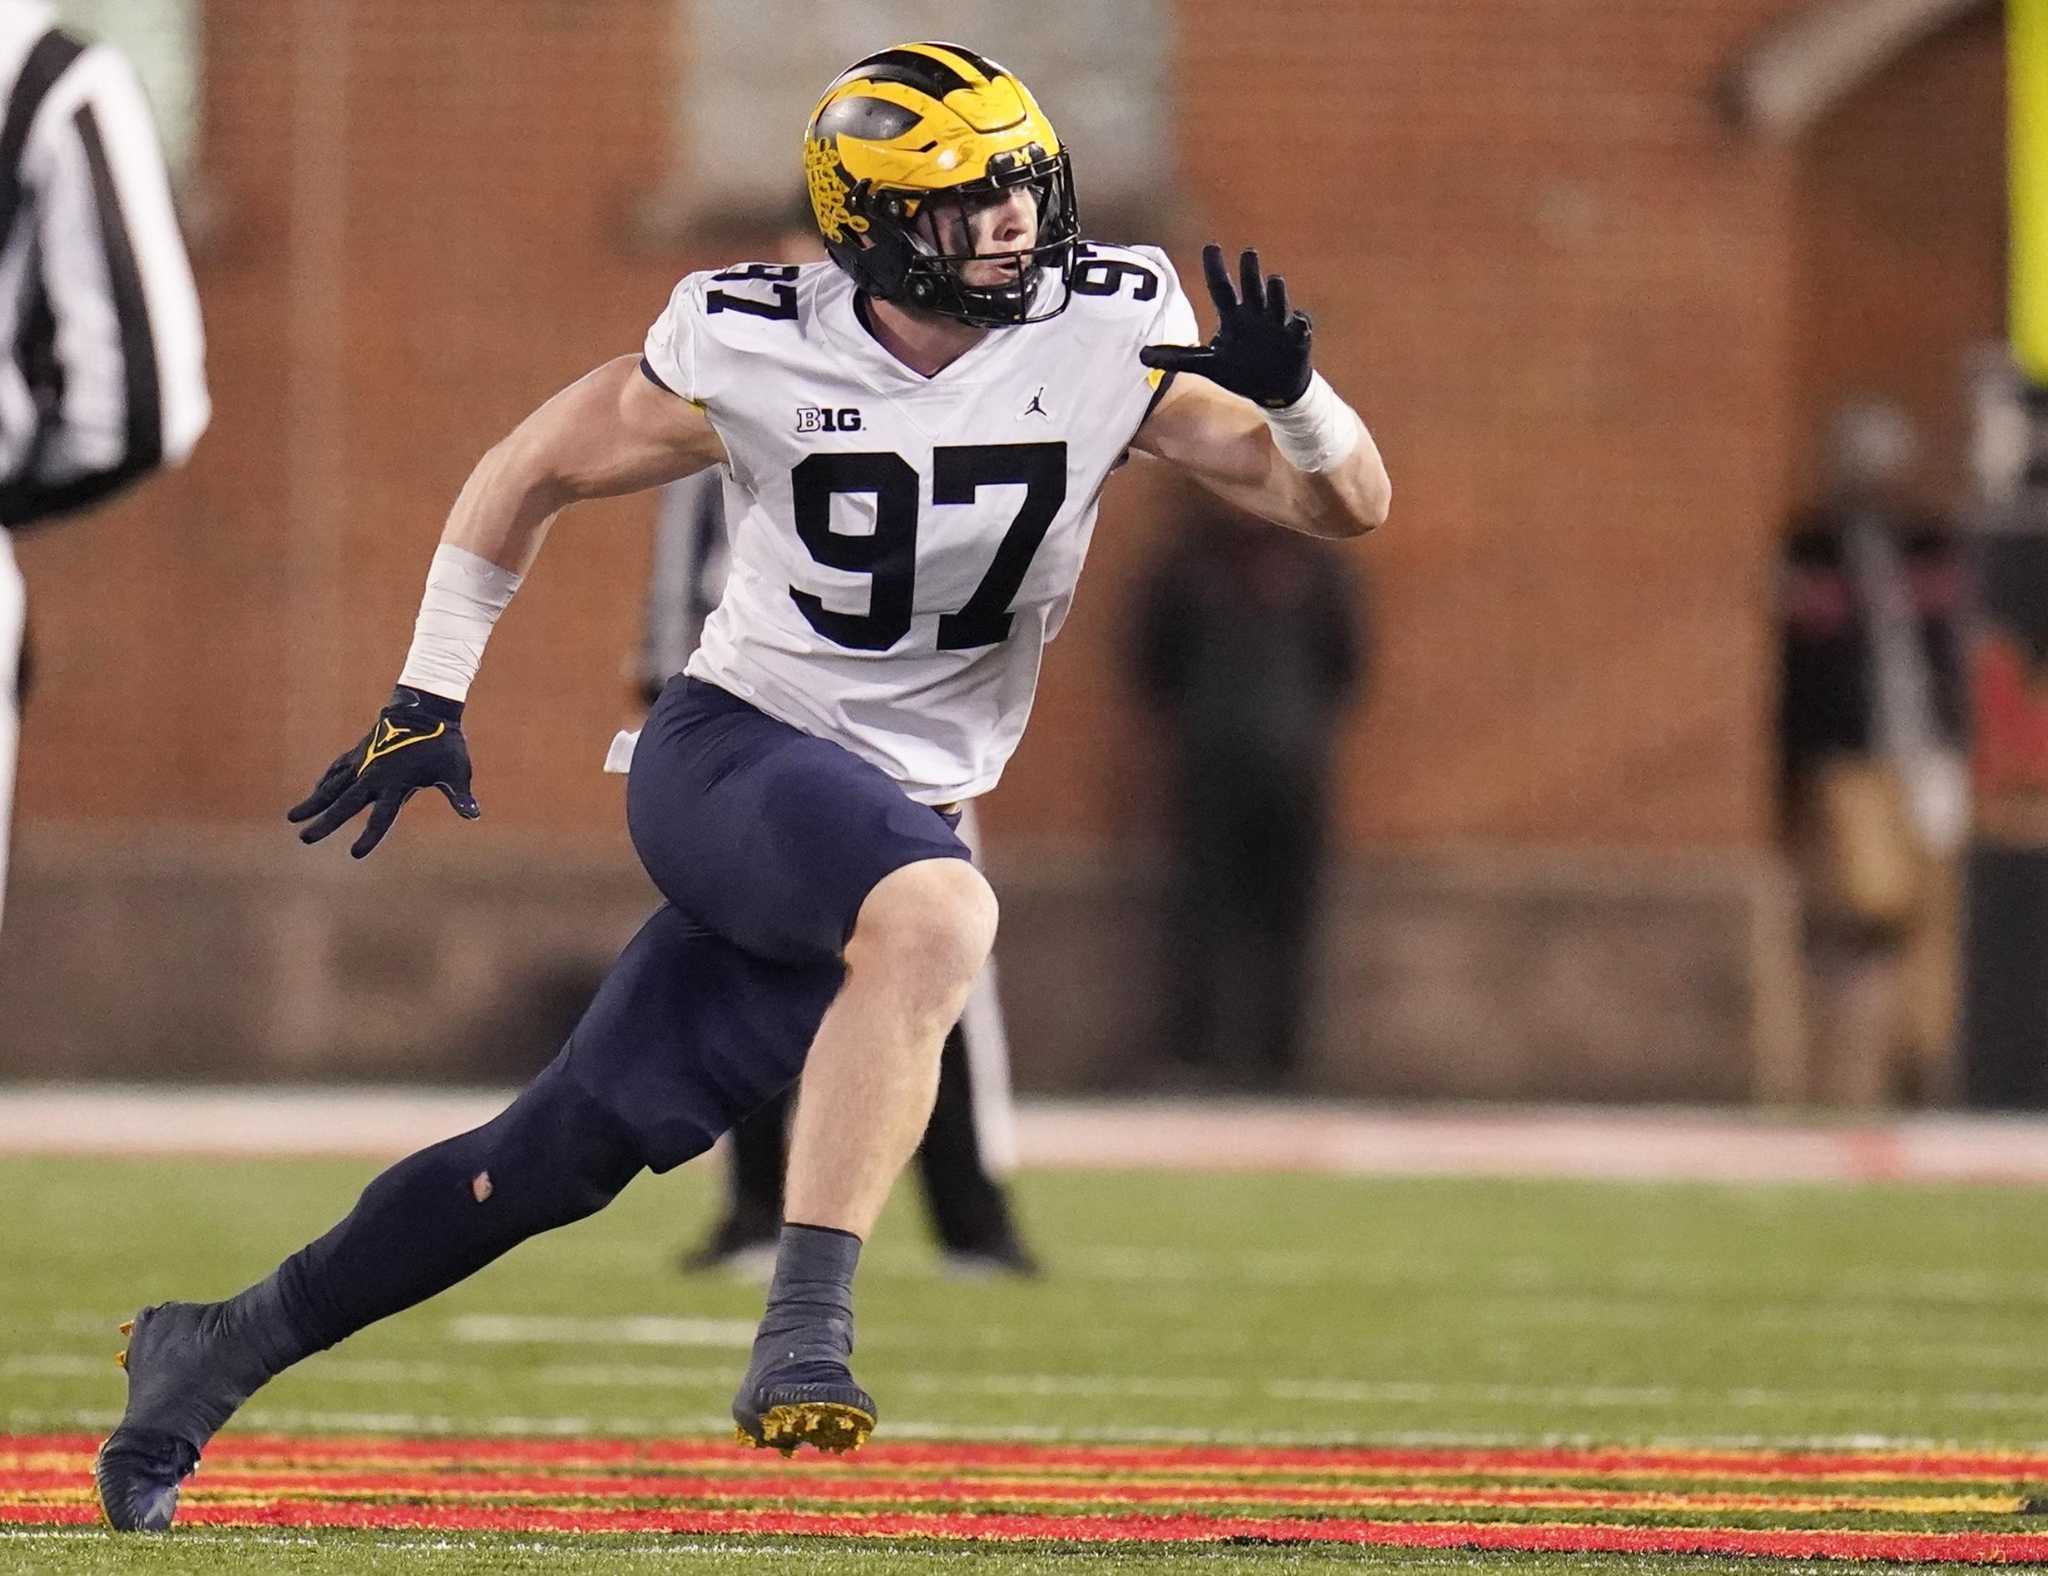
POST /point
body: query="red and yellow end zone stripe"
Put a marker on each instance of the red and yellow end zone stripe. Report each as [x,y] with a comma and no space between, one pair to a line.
[1643,1501]
[1097,1461]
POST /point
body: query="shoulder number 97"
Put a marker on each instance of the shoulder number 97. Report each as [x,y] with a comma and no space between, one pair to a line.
[780,278]
[1097,275]
[889,552]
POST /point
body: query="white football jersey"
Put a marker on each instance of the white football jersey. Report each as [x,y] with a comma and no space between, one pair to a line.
[903,547]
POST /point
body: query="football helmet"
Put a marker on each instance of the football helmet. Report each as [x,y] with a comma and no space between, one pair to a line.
[903,133]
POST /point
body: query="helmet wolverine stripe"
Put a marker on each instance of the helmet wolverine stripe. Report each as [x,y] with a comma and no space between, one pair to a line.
[908,130]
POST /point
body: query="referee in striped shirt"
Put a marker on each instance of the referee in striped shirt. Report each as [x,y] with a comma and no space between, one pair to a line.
[101,356]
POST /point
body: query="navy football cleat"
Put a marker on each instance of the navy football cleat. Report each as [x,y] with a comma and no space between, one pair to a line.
[137,1473]
[186,1375]
[806,1403]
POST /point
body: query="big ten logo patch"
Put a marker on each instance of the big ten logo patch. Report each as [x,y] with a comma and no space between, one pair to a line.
[817,418]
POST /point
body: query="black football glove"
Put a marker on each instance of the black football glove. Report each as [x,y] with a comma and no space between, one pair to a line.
[1260,349]
[415,743]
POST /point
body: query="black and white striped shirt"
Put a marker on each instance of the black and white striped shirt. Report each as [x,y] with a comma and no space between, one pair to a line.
[102,374]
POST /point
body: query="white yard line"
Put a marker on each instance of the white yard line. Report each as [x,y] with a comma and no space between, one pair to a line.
[347,1370]
[1397,1392]
[506,1329]
[629,1376]
[717,1425]
[1317,1391]
[1235,1135]
[53,1365]
[638,1376]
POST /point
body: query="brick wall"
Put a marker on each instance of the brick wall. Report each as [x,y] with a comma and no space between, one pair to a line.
[1575,311]
[1900,243]
[1590,328]
[1593,977]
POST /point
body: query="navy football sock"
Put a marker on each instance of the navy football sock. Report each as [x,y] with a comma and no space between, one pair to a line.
[809,1318]
[551,1157]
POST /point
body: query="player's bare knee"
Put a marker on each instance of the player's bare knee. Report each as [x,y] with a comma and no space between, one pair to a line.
[929,924]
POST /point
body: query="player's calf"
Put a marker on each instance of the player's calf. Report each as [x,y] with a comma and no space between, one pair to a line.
[920,938]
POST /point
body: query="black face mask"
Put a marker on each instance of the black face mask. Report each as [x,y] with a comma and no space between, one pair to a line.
[901,263]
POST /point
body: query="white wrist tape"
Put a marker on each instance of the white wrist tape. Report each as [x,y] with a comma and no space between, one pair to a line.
[464,596]
[1318,431]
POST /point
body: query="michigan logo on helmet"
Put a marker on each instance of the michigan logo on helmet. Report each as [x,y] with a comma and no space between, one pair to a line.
[904,149]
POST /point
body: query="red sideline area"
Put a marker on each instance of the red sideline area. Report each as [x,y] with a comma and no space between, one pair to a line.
[299,1482]
[1702,1145]
[40,1451]
[1953,1548]
[44,1478]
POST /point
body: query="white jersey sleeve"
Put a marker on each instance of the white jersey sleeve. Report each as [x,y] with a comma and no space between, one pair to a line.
[670,351]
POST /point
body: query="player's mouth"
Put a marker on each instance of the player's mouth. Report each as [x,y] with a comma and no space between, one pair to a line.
[995,272]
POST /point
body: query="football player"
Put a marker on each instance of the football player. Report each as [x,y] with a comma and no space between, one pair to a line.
[970,1138]
[914,436]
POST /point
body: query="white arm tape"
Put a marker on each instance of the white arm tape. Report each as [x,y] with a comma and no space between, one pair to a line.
[1318,431]
[465,594]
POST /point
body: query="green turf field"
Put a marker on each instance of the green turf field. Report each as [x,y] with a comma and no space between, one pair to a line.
[1262,1312]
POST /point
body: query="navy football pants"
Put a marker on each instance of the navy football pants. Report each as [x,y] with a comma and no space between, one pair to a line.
[765,841]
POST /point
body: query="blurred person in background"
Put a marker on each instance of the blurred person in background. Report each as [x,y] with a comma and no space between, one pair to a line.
[971,1133]
[918,433]
[1250,648]
[1875,787]
[103,379]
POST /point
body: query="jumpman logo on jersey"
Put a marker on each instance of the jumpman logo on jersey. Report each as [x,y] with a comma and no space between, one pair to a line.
[1037,406]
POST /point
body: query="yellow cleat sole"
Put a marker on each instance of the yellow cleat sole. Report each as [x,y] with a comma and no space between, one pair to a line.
[823,1425]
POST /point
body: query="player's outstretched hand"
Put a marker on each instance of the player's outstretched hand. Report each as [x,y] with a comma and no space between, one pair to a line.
[1260,349]
[415,743]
